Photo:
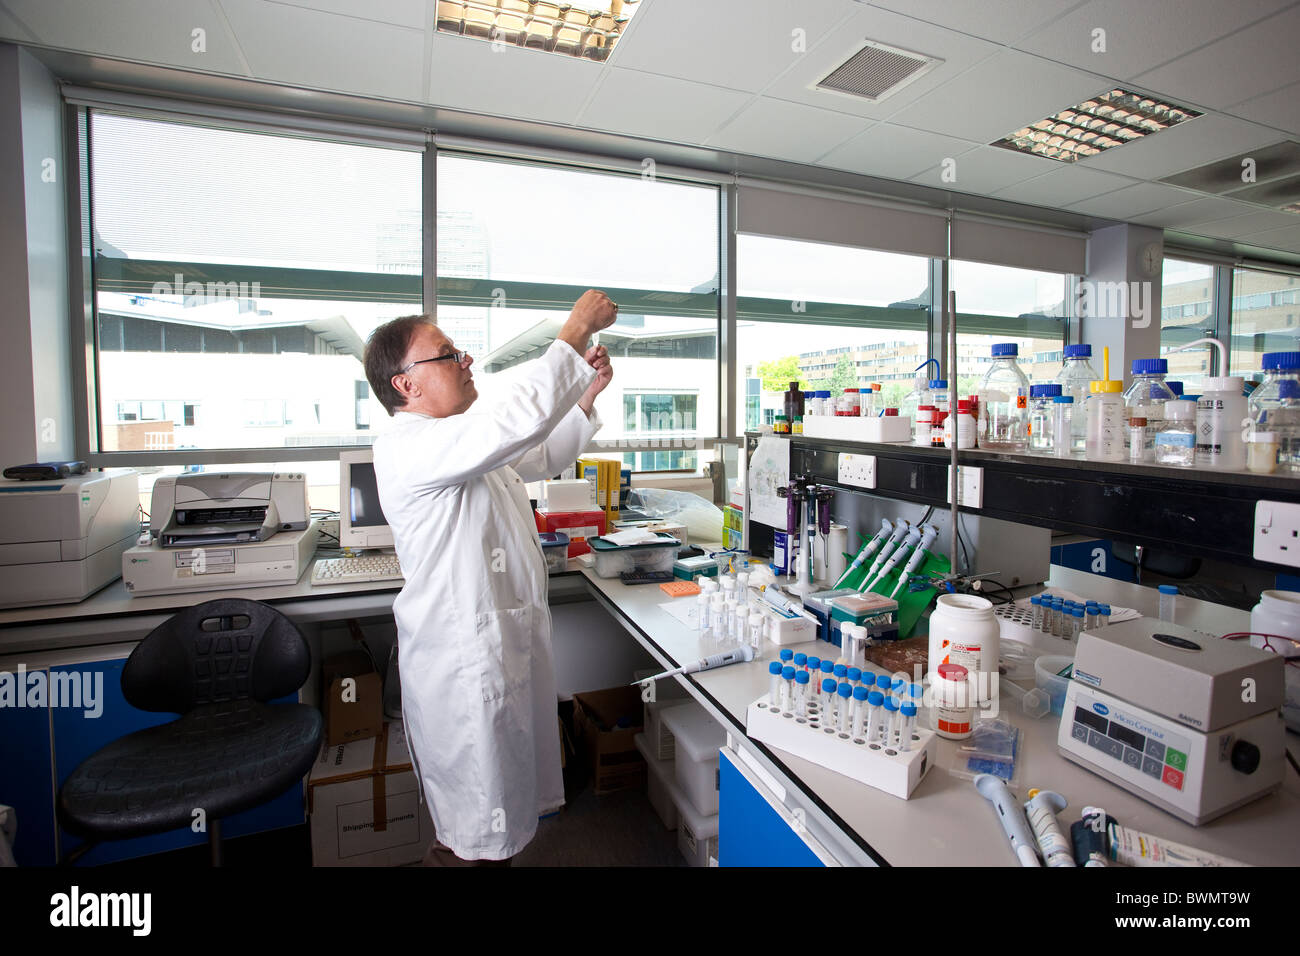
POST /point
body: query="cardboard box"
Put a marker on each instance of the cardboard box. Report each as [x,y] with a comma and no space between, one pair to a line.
[578,525]
[355,710]
[607,722]
[363,803]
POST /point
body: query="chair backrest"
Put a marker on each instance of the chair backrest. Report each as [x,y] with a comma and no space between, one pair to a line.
[223,650]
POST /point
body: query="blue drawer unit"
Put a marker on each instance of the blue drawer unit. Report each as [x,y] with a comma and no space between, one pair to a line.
[1095,557]
[26,774]
[750,830]
[77,735]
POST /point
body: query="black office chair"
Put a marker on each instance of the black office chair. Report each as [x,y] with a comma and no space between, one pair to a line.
[216,664]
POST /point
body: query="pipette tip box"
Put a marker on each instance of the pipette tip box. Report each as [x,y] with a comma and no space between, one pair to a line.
[895,772]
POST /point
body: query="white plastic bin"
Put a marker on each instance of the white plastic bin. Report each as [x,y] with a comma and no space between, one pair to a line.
[698,737]
[659,738]
[658,784]
[697,834]
[611,560]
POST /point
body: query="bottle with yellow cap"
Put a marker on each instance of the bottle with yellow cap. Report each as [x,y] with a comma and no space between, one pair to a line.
[1105,414]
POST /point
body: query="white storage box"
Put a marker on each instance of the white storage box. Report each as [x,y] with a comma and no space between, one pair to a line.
[697,834]
[574,494]
[555,549]
[658,737]
[658,784]
[699,738]
[892,428]
[611,560]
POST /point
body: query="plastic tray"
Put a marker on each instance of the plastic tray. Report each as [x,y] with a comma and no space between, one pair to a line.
[555,548]
[611,560]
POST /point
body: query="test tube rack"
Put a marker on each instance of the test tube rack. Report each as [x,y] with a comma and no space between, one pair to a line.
[895,772]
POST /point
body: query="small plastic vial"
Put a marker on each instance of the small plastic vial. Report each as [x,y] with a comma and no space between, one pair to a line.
[1094,618]
[801,693]
[875,713]
[1104,615]
[1168,602]
[1076,625]
[774,685]
[1137,440]
[859,711]
[908,710]
[845,694]
[1036,608]
[828,701]
[888,722]
[855,676]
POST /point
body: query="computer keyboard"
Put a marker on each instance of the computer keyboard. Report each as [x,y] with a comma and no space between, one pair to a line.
[356,570]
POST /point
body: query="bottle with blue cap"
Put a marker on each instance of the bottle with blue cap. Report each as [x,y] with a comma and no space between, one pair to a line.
[1278,367]
[1004,402]
[1042,417]
[1168,602]
[1145,397]
[1075,377]
[937,397]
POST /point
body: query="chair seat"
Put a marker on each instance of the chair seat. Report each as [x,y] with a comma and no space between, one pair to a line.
[224,758]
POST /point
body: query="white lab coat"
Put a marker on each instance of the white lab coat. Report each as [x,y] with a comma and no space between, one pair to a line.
[474,630]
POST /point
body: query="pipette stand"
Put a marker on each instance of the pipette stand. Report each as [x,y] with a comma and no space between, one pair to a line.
[895,772]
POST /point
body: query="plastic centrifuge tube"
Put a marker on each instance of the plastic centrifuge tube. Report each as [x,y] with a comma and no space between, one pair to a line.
[1036,607]
[1105,615]
[887,723]
[883,683]
[855,676]
[774,685]
[814,667]
[875,713]
[1077,627]
[756,620]
[787,689]
[841,673]
[801,662]
[909,725]
[786,656]
[718,605]
[859,711]
[828,702]
[801,693]
[1094,619]
[828,668]
[845,692]
[703,607]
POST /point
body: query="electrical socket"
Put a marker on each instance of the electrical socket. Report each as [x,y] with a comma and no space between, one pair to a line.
[971,492]
[857,470]
[1277,533]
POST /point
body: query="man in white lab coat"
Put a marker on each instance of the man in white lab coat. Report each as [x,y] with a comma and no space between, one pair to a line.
[473,627]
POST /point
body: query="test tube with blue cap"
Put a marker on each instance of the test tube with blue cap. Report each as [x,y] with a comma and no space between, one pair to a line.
[801,661]
[774,685]
[1036,608]
[875,713]
[841,673]
[828,670]
[887,725]
[845,692]
[786,655]
[1094,618]
[1105,615]
[787,689]
[828,702]
[801,693]
[909,725]
[855,676]
[1077,628]
[884,683]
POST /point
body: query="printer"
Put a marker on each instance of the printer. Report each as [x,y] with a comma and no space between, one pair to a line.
[63,539]
[214,532]
[191,511]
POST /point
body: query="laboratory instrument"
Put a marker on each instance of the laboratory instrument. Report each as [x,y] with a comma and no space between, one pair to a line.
[63,540]
[1135,848]
[777,600]
[282,559]
[1159,710]
[868,549]
[919,554]
[225,508]
[901,529]
[734,656]
[909,542]
[1041,811]
[1012,817]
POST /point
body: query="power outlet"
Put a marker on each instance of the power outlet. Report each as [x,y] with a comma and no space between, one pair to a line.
[971,492]
[1277,533]
[857,470]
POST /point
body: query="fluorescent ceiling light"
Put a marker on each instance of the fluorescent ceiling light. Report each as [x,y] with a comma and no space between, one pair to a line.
[587,29]
[1103,122]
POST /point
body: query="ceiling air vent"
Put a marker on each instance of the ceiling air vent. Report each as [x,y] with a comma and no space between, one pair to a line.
[877,71]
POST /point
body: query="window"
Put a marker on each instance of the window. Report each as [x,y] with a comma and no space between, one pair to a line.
[1001,304]
[830,317]
[243,271]
[1263,318]
[1186,314]
[518,243]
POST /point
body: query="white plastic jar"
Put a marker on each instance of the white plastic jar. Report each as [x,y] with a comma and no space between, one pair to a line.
[952,706]
[964,630]
[1278,612]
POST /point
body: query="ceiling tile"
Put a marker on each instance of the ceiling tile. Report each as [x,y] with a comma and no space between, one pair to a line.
[13,29]
[1281,108]
[894,152]
[1232,228]
[1247,64]
[328,52]
[150,31]
[781,130]
[1198,210]
[1063,185]
[958,52]
[984,170]
[1000,95]
[1124,204]
[508,81]
[1189,144]
[660,107]
[742,46]
[1000,20]
[402,13]
[1287,238]
[1141,35]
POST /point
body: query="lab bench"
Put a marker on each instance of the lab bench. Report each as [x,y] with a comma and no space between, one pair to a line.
[775,807]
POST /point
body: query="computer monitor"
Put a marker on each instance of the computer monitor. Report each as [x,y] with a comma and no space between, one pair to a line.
[361,520]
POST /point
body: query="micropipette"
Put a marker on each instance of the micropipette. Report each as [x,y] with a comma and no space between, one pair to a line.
[733,656]
[911,541]
[1042,808]
[868,549]
[900,532]
[928,534]
[1011,815]
[774,598]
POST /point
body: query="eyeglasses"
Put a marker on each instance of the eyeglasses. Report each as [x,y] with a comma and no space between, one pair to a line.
[457,357]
